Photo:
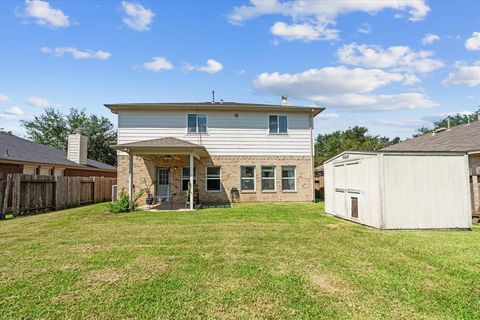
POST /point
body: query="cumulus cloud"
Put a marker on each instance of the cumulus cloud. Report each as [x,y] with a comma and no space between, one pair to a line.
[397,58]
[304,31]
[212,66]
[76,53]
[13,113]
[411,80]
[327,116]
[365,28]
[37,101]
[3,98]
[464,75]
[136,16]
[45,15]
[473,43]
[158,64]
[430,38]
[342,88]
[317,16]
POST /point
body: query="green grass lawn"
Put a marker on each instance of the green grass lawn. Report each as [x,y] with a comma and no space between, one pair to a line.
[251,261]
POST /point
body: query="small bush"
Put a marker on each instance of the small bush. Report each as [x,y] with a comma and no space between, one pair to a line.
[122,204]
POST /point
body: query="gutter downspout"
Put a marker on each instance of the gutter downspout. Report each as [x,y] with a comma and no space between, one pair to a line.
[312,155]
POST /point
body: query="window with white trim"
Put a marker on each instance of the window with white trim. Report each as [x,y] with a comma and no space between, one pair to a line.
[268,178]
[247,178]
[213,179]
[289,178]
[186,177]
[277,124]
[197,123]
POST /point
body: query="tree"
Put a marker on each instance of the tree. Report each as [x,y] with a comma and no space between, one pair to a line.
[356,139]
[454,120]
[52,128]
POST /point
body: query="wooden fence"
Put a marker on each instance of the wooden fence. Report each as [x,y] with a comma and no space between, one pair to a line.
[319,187]
[22,194]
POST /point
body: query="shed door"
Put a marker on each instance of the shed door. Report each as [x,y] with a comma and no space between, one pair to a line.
[348,194]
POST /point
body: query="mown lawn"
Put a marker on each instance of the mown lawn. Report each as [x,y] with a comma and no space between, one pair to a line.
[251,261]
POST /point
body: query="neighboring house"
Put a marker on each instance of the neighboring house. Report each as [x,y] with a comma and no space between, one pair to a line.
[19,155]
[254,152]
[462,138]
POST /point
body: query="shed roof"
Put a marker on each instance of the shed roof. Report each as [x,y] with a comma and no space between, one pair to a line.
[463,138]
[219,106]
[13,148]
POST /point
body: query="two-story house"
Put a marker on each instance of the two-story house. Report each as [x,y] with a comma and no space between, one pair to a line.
[250,152]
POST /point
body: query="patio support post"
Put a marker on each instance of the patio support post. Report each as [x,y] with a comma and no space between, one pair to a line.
[130,181]
[191,181]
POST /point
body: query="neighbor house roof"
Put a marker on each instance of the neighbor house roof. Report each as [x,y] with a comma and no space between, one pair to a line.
[219,106]
[13,148]
[464,138]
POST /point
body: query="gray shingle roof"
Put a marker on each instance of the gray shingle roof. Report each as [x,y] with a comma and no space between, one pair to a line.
[193,106]
[463,138]
[14,148]
[161,142]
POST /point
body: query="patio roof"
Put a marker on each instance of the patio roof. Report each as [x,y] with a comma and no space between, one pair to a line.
[165,146]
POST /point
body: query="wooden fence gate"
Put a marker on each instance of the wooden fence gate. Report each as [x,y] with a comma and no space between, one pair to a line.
[475,190]
[22,194]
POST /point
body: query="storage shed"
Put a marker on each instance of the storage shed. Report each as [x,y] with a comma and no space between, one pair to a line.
[400,190]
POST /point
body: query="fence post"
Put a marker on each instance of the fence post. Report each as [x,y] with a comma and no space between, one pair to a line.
[8,186]
[16,194]
[2,192]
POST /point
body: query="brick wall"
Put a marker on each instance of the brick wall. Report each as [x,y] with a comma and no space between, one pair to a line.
[144,171]
[6,168]
[89,173]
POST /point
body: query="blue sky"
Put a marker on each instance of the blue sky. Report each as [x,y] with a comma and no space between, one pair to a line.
[392,66]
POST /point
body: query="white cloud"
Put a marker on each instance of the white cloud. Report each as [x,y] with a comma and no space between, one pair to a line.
[464,75]
[342,88]
[365,28]
[397,58]
[37,101]
[3,98]
[13,113]
[45,15]
[136,16]
[158,64]
[304,31]
[327,116]
[212,66]
[411,80]
[473,43]
[409,123]
[317,16]
[76,53]
[430,38]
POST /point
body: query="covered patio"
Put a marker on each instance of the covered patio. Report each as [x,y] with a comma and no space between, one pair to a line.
[169,165]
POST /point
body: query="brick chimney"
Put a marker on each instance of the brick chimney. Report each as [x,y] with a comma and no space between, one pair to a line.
[77,147]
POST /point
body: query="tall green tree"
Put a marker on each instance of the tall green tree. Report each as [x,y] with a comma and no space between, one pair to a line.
[454,120]
[355,139]
[52,128]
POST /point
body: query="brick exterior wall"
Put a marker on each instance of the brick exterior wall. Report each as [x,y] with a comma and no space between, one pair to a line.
[6,168]
[89,173]
[474,160]
[144,172]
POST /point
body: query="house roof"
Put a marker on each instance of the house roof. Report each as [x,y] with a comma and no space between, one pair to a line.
[161,142]
[463,138]
[13,148]
[219,106]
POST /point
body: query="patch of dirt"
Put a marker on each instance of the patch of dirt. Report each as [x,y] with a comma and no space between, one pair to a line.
[103,276]
[328,284]
[144,267]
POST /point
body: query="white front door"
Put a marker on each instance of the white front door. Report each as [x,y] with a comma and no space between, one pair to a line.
[163,182]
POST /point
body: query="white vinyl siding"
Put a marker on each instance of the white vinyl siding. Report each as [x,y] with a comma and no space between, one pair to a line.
[247,135]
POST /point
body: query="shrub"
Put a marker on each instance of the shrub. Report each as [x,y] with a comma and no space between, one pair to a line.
[122,204]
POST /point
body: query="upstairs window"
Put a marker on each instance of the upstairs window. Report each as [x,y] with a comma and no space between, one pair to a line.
[197,123]
[277,124]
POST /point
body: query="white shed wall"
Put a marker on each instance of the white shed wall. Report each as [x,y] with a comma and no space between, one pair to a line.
[227,135]
[426,191]
[410,191]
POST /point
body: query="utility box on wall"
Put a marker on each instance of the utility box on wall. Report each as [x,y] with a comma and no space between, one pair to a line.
[400,190]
